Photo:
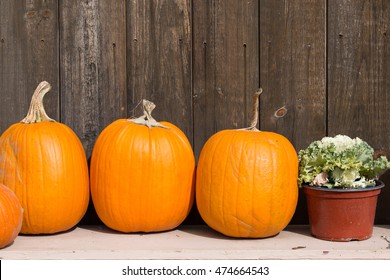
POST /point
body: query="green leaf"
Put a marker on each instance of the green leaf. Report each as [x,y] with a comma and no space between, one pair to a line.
[348,162]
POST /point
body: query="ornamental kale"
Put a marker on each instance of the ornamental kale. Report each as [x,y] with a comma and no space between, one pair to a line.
[340,162]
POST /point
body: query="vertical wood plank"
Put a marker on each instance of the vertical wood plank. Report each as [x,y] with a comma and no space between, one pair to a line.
[159,60]
[225,65]
[358,71]
[93,69]
[28,55]
[293,74]
[93,66]
[293,69]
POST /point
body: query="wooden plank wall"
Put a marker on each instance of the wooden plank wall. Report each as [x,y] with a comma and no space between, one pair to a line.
[323,66]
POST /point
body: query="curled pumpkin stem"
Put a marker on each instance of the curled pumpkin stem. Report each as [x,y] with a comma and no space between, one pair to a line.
[255,112]
[36,113]
[146,118]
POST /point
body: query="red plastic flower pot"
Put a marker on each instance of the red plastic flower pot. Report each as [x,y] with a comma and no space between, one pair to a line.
[342,214]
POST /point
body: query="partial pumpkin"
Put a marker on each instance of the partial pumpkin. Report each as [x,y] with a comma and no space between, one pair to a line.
[142,174]
[11,216]
[246,184]
[44,163]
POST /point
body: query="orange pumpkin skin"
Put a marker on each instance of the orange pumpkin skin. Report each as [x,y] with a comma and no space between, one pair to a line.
[11,216]
[246,184]
[141,177]
[45,165]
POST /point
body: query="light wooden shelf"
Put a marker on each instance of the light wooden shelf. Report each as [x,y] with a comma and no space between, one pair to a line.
[193,242]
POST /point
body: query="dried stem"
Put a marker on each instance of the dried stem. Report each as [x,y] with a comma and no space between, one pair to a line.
[255,112]
[36,113]
[146,118]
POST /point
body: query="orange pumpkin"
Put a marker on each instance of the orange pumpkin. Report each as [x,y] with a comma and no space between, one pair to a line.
[142,174]
[44,163]
[11,216]
[246,184]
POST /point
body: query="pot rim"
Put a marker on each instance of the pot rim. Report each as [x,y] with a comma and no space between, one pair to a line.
[379,184]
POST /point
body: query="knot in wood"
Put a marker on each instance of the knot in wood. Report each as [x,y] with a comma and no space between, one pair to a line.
[281,112]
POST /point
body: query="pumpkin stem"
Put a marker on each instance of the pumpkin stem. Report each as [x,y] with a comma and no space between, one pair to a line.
[146,118]
[36,113]
[255,112]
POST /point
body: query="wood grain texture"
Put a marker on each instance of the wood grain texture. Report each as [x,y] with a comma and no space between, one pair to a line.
[225,66]
[323,66]
[159,60]
[93,70]
[28,55]
[293,69]
[293,74]
[93,66]
[358,68]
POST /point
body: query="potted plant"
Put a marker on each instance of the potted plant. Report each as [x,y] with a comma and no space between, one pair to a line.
[339,176]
